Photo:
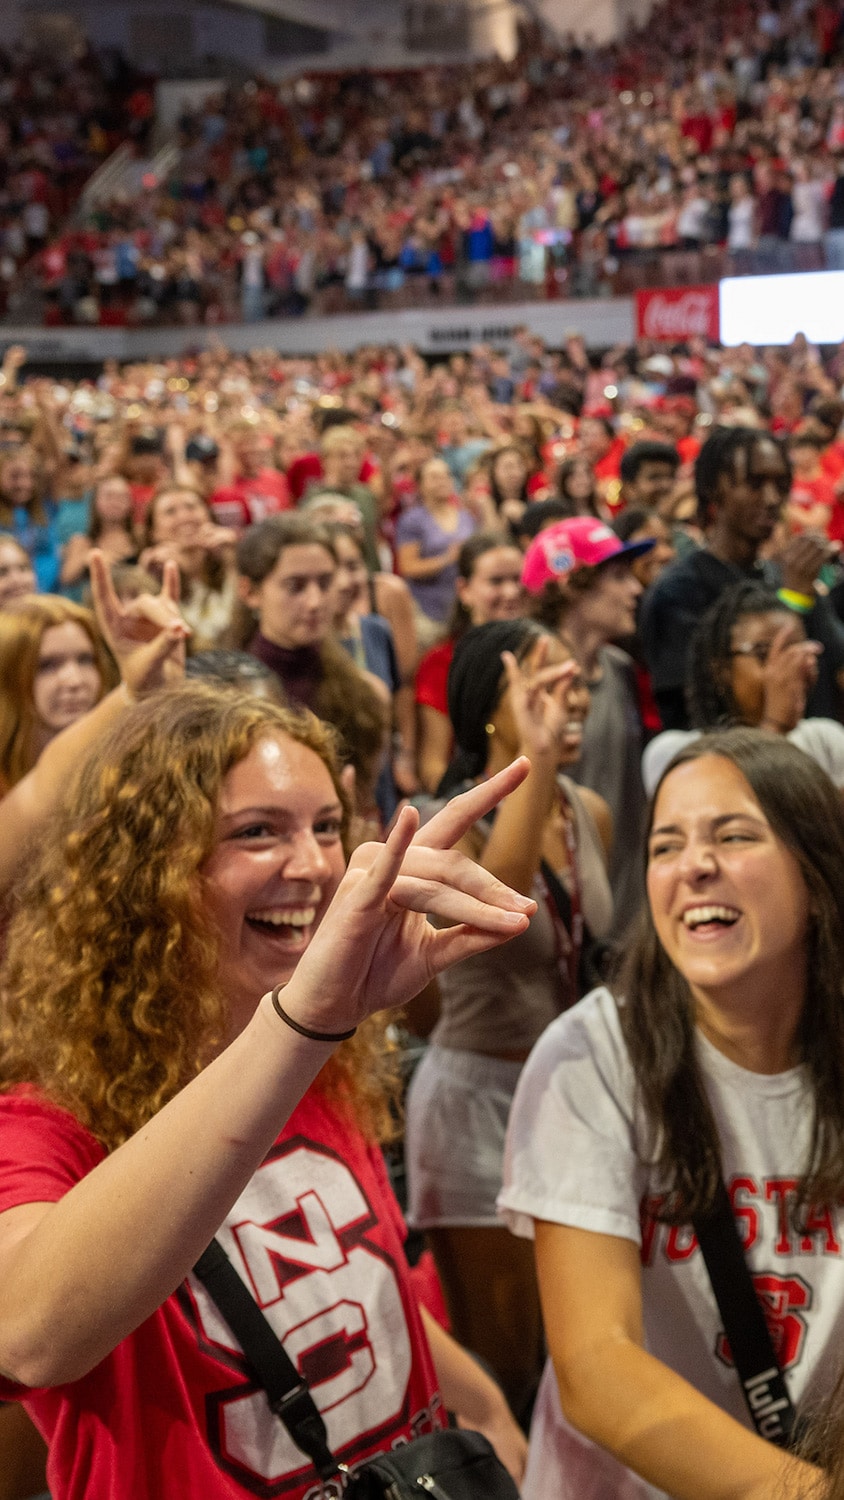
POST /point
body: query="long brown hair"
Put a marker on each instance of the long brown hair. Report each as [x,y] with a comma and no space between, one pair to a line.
[344,697]
[657,1011]
[110,1000]
[22,626]
[35,507]
[213,568]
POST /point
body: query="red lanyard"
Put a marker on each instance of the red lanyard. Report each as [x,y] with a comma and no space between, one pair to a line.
[569,944]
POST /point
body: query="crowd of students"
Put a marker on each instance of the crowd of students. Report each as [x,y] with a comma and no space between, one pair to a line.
[498,638]
[61,117]
[705,142]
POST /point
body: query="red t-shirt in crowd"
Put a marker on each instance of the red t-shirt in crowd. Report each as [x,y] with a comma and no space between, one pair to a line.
[609,467]
[688,449]
[173,1412]
[832,461]
[248,501]
[302,472]
[432,677]
[538,484]
[141,496]
[806,493]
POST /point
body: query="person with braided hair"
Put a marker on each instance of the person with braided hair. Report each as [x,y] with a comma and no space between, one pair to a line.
[743,480]
[751,663]
[513,686]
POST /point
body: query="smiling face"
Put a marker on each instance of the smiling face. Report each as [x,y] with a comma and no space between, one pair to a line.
[67,680]
[494,589]
[574,694]
[277,862]
[178,518]
[296,600]
[727,897]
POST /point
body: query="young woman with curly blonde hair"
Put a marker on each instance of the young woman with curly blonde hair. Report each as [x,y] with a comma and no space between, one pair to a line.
[150,1099]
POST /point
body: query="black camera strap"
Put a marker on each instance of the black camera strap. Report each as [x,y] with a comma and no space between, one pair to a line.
[745,1325]
[287,1392]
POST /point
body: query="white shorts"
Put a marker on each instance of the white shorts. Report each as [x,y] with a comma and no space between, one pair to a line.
[457,1109]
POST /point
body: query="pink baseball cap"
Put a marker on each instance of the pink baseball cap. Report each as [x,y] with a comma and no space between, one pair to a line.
[581,542]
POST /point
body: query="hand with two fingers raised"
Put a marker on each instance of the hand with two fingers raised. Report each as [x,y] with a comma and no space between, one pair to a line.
[375,947]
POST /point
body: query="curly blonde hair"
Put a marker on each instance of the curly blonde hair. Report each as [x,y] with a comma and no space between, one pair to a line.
[110,1000]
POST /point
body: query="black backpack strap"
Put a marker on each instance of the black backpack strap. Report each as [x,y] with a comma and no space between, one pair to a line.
[287,1393]
[754,1356]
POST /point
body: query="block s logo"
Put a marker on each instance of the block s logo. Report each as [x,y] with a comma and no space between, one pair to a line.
[332,1298]
[784,1300]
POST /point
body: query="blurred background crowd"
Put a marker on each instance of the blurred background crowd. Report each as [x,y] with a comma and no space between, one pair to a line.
[703,144]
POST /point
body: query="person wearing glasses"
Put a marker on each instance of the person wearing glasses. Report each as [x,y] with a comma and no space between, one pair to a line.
[750,662]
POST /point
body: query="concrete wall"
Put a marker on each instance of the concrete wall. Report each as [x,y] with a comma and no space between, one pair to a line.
[602,322]
[362,32]
[598,20]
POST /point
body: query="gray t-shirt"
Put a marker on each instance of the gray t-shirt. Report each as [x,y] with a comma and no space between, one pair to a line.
[610,763]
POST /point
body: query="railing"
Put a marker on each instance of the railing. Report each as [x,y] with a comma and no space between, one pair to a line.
[103,184]
[396,289]
[122,174]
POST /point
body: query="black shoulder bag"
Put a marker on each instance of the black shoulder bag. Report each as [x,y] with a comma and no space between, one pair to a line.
[449,1465]
[754,1356]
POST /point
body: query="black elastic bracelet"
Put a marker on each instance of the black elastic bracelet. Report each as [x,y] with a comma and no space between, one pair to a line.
[313,1036]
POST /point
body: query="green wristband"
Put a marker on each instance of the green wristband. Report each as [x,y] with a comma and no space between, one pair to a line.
[802,604]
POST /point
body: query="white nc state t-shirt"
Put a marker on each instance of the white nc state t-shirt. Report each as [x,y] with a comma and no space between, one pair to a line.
[574,1156]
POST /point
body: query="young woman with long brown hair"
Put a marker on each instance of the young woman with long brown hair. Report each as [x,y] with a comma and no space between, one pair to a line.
[110,530]
[720,1055]
[53,669]
[288,569]
[179,527]
[28,512]
[146,643]
[17,575]
[152,1099]
[488,587]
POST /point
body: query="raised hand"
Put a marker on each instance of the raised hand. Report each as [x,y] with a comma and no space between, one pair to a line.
[147,635]
[538,700]
[217,539]
[375,947]
[787,679]
[801,560]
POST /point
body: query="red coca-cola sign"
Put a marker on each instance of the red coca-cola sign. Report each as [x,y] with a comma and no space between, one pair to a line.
[676,313]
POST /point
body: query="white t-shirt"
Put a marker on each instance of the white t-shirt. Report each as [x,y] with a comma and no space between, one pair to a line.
[575,1156]
[741,232]
[822,739]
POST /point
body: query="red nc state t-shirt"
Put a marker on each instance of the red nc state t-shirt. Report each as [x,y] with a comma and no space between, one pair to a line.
[248,501]
[172,1413]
